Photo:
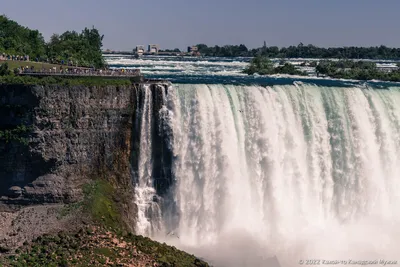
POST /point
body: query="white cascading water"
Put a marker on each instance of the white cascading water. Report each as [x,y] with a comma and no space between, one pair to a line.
[144,191]
[298,171]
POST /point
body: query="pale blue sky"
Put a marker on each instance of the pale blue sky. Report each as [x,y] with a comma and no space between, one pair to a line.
[179,23]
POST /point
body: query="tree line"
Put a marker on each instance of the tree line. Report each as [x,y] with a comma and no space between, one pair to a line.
[357,70]
[342,69]
[264,66]
[301,51]
[83,49]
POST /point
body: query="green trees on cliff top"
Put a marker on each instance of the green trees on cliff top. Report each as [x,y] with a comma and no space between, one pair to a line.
[18,40]
[82,48]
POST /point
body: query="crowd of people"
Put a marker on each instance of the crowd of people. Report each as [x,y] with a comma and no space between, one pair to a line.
[14,57]
[4,56]
[78,71]
[65,68]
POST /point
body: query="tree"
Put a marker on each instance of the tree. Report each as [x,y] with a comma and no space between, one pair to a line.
[18,40]
[71,46]
[4,69]
[261,65]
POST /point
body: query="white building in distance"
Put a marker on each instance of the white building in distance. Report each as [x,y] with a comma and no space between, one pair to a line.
[140,49]
[153,48]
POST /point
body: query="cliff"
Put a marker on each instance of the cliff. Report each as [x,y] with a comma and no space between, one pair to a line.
[55,138]
[69,160]
[54,141]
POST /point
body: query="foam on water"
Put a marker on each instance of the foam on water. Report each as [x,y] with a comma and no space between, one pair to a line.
[298,171]
[213,70]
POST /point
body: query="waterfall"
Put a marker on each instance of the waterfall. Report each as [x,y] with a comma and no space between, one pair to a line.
[297,171]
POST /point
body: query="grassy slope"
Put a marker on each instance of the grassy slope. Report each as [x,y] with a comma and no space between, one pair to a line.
[103,242]
[15,64]
[37,65]
[65,81]
[96,246]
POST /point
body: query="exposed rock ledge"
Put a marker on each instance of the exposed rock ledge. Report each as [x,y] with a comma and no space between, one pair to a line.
[53,140]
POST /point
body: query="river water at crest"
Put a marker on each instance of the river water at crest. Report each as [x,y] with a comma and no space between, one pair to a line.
[297,168]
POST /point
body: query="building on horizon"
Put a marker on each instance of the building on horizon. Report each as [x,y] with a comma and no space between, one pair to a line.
[153,48]
[139,50]
[193,50]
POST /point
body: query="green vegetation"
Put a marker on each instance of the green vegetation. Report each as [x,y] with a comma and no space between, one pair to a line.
[260,65]
[264,66]
[358,70]
[18,40]
[83,49]
[100,245]
[301,51]
[99,203]
[64,81]
[343,69]
[8,77]
[164,254]
[176,50]
[224,51]
[18,134]
[12,64]
[96,246]
[4,69]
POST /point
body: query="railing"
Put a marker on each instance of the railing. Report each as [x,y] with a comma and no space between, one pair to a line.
[78,72]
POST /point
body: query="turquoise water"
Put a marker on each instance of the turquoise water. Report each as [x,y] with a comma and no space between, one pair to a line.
[294,167]
[211,70]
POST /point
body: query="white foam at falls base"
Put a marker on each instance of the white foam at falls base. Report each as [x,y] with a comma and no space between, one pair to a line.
[301,172]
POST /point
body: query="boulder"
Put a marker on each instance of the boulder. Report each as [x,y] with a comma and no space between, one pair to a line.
[14,192]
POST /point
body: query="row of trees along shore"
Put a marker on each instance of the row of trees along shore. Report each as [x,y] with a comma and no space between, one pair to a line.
[357,70]
[301,51]
[82,49]
[343,69]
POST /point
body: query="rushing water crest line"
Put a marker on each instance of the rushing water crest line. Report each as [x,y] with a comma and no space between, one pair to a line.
[295,171]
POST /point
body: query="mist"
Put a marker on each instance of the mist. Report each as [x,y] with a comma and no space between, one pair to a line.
[300,172]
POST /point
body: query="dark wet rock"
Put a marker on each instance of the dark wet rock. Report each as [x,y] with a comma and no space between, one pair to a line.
[47,188]
[69,135]
[14,191]
[155,199]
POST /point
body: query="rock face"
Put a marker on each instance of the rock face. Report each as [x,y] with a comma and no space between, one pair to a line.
[52,139]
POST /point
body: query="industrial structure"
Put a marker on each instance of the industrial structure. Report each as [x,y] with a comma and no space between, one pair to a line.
[153,49]
[139,50]
[192,49]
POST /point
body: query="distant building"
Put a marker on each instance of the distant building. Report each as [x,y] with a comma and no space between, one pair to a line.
[153,48]
[139,50]
[193,49]
[387,67]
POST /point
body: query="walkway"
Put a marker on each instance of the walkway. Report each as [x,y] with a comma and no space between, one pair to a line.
[83,73]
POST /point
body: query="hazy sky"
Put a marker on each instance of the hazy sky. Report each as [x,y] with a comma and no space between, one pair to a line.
[179,23]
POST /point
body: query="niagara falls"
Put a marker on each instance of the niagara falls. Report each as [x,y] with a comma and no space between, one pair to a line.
[199,134]
[297,170]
